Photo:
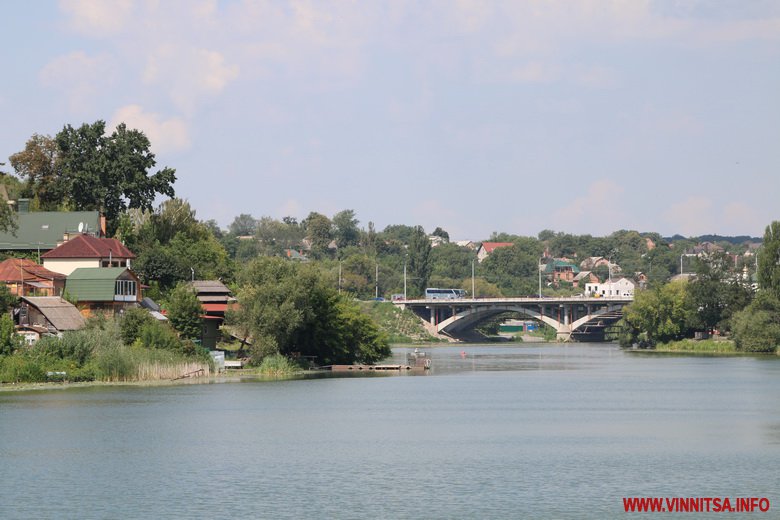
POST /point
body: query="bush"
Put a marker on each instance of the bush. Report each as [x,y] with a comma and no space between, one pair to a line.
[159,335]
[277,365]
[19,368]
[132,322]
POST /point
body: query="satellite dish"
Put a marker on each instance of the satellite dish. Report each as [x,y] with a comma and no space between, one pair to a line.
[81,227]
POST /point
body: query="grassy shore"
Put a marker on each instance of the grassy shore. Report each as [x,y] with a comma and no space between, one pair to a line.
[692,346]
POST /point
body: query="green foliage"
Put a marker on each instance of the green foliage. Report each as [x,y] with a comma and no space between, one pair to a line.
[658,315]
[109,173]
[9,340]
[155,334]
[184,311]
[420,265]
[319,229]
[769,260]
[19,368]
[345,228]
[39,166]
[131,323]
[757,327]
[243,225]
[277,365]
[294,310]
[515,269]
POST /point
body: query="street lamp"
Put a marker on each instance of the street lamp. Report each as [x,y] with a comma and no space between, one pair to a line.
[539,268]
[405,278]
[473,292]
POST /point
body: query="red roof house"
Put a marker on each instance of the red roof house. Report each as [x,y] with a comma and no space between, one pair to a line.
[26,278]
[488,247]
[87,251]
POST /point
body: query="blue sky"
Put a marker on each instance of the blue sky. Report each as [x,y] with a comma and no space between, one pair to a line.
[472,115]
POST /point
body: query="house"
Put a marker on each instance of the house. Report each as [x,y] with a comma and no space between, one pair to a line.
[621,287]
[103,289]
[25,277]
[560,270]
[293,254]
[41,315]
[585,277]
[214,297]
[593,262]
[41,231]
[466,243]
[488,247]
[86,251]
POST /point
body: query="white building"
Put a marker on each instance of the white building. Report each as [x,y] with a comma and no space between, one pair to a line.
[622,287]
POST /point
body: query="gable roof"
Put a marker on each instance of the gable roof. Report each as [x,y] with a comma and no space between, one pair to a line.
[490,246]
[43,230]
[22,269]
[62,314]
[87,246]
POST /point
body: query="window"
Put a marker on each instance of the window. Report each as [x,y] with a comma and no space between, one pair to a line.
[125,288]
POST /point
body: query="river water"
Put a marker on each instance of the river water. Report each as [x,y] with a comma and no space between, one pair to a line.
[529,431]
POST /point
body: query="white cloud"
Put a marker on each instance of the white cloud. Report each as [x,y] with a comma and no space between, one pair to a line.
[98,17]
[80,76]
[189,74]
[166,135]
[599,210]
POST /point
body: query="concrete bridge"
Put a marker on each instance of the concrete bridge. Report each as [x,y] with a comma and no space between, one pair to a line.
[572,317]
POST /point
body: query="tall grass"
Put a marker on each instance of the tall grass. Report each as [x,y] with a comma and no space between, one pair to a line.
[97,353]
[277,365]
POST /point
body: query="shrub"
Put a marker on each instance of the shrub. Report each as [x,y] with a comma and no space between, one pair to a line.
[19,368]
[132,322]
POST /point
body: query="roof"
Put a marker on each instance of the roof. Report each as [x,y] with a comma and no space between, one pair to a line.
[43,230]
[490,246]
[62,314]
[209,286]
[557,265]
[87,246]
[95,284]
[23,269]
[214,307]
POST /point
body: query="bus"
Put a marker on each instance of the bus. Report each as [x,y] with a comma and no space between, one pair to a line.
[432,293]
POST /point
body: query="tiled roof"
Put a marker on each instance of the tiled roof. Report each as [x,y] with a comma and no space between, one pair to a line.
[87,246]
[22,269]
[490,246]
[209,287]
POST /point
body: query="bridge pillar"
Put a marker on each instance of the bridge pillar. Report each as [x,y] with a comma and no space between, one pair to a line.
[433,316]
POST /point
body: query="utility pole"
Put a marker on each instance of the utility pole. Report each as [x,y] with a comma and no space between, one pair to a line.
[376,278]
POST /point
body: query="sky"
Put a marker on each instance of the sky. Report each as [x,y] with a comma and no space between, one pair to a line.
[475,116]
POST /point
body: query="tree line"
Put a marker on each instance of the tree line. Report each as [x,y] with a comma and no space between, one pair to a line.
[83,168]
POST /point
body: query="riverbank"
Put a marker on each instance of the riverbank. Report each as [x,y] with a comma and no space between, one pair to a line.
[715,347]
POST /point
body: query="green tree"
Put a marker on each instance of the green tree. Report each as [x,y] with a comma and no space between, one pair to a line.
[439,232]
[184,311]
[757,327]
[419,264]
[132,321]
[110,173]
[319,229]
[292,309]
[345,228]
[769,260]
[243,225]
[9,340]
[658,315]
[39,166]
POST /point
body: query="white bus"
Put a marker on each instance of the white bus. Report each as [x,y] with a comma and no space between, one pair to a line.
[432,293]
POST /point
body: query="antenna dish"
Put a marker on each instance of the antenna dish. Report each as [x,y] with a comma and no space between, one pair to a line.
[81,227]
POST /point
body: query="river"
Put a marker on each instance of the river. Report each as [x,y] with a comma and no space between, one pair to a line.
[515,431]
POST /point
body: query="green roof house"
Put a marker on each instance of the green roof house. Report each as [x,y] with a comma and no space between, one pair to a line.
[559,270]
[103,289]
[44,230]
